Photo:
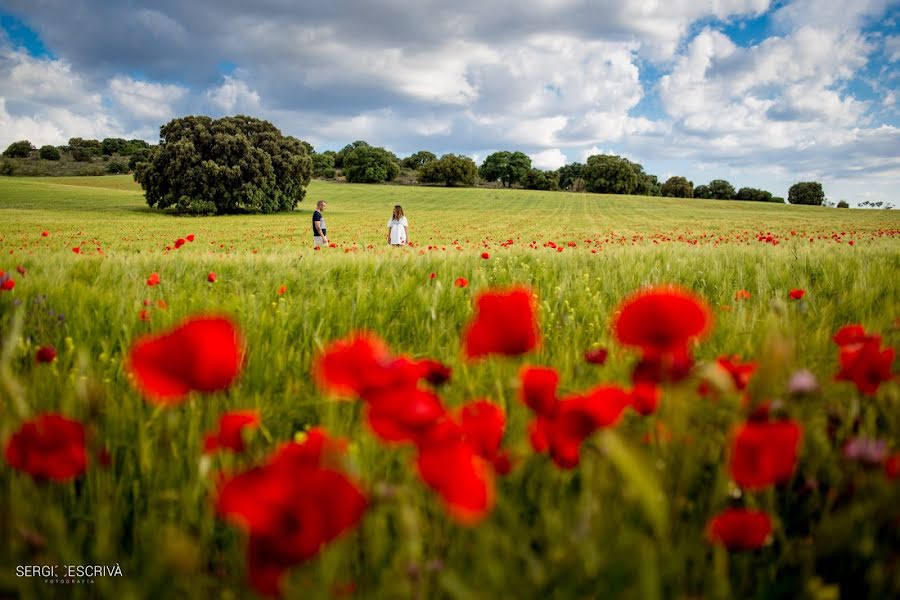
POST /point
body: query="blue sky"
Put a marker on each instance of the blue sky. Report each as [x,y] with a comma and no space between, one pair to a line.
[761,93]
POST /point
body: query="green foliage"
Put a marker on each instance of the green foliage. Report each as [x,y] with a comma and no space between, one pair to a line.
[81,153]
[609,174]
[117,167]
[49,153]
[450,169]
[645,184]
[323,165]
[677,187]
[110,146]
[418,160]
[20,149]
[753,195]
[368,164]
[806,192]
[506,167]
[229,165]
[702,191]
[537,179]
[94,147]
[569,176]
[138,156]
[720,189]
[342,153]
[843,204]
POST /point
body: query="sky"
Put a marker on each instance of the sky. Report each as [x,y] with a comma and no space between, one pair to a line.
[760,93]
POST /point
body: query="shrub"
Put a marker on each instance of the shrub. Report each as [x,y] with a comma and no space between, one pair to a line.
[81,153]
[116,167]
[536,179]
[110,146]
[806,192]
[20,149]
[418,160]
[753,195]
[843,204]
[230,165]
[49,153]
[138,156]
[95,147]
[450,169]
[323,165]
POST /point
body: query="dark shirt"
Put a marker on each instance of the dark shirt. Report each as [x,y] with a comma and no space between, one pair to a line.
[317,216]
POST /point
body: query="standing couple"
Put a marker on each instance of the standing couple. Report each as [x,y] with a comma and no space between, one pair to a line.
[398,227]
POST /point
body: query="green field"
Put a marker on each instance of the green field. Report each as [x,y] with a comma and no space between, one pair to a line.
[626,528]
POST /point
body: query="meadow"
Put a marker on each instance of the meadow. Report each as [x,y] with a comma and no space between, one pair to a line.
[631,520]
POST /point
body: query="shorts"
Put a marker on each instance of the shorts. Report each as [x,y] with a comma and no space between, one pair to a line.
[318,240]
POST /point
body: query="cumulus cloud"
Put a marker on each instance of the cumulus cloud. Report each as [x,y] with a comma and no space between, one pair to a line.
[234,96]
[146,100]
[549,159]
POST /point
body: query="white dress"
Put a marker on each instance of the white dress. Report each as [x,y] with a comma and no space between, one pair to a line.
[398,230]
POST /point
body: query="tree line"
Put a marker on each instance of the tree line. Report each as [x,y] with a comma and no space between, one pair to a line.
[236,164]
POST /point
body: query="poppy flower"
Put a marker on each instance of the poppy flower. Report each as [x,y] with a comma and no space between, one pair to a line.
[360,364]
[462,479]
[76,250]
[740,529]
[407,414]
[292,506]
[281,290]
[538,390]
[796,294]
[662,321]
[892,466]
[504,323]
[461,282]
[22,270]
[190,237]
[485,255]
[434,372]
[7,285]
[153,279]
[740,372]
[851,335]
[49,447]
[596,356]
[45,233]
[764,453]
[144,315]
[203,353]
[179,243]
[45,354]
[211,277]
[483,425]
[645,398]
[866,366]
[229,434]
[741,295]
[432,275]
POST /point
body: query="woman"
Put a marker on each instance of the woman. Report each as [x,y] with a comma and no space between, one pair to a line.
[398,228]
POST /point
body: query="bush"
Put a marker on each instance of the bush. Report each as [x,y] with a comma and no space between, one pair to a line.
[6,168]
[367,164]
[843,204]
[567,175]
[138,156]
[418,160]
[450,169]
[806,192]
[678,187]
[110,146]
[49,153]
[753,195]
[95,147]
[536,179]
[219,166]
[117,167]
[323,165]
[20,149]
[81,153]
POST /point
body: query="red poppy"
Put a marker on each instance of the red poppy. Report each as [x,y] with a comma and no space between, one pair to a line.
[7,285]
[49,447]
[432,276]
[796,293]
[538,391]
[866,366]
[596,356]
[45,354]
[190,237]
[22,270]
[645,398]
[211,277]
[153,279]
[179,243]
[850,335]
[483,424]
[461,282]
[577,418]
[76,250]
[434,372]
[357,365]
[740,529]
[740,372]
[45,233]
[662,321]
[292,506]
[203,353]
[281,290]
[764,453]
[462,479]
[485,255]
[504,323]
[229,434]
[892,466]
[144,315]
[741,295]
[406,414]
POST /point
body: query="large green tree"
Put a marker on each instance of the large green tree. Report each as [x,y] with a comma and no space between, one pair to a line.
[537,179]
[450,169]
[806,192]
[230,165]
[678,187]
[418,160]
[609,174]
[340,154]
[753,195]
[569,175]
[368,164]
[20,149]
[720,189]
[508,168]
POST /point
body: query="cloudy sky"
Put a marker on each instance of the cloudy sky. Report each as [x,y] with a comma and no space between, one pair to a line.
[762,93]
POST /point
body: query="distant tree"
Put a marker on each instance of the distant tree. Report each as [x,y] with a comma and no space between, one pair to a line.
[567,175]
[138,156]
[368,164]
[418,160]
[508,168]
[49,153]
[110,146]
[323,165]
[777,199]
[806,192]
[702,191]
[753,195]
[234,164]
[133,146]
[609,174]
[340,154]
[721,189]
[92,146]
[537,179]
[678,187]
[81,153]
[645,184]
[117,166]
[20,149]
[843,204]
[450,169]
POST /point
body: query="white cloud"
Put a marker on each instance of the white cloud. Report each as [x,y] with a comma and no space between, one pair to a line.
[234,95]
[551,159]
[144,99]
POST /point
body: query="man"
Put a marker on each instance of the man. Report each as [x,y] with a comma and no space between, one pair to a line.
[320,235]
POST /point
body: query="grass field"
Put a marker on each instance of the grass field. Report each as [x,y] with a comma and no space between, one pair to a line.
[629,522]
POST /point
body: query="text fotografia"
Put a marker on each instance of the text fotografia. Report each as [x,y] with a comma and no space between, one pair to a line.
[69,573]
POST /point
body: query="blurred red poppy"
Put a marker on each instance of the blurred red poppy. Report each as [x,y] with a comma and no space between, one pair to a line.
[7,285]
[538,391]
[48,447]
[504,323]
[796,294]
[203,353]
[764,453]
[485,255]
[866,366]
[229,434]
[45,354]
[742,295]
[740,372]
[596,356]
[740,529]
[153,279]
[645,398]
[461,282]
[662,321]
[211,277]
